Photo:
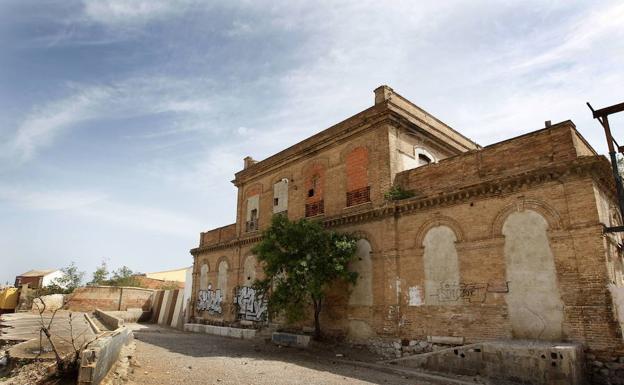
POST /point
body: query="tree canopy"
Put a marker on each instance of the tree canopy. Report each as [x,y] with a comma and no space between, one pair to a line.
[301,261]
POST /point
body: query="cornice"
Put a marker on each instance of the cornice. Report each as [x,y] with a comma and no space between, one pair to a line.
[315,143]
[594,167]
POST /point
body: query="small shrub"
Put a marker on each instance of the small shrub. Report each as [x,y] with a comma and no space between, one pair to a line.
[397,193]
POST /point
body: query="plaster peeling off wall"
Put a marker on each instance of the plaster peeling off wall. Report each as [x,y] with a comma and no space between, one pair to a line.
[441,264]
[362,292]
[617,295]
[415,296]
[534,302]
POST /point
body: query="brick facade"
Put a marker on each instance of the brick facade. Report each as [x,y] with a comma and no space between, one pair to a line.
[546,191]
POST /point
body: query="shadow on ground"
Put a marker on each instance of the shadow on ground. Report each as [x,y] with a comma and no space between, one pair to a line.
[320,359]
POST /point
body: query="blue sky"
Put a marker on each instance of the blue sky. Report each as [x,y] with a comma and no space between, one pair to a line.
[123,122]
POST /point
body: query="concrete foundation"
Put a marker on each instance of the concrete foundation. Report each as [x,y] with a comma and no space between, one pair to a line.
[111,321]
[288,339]
[507,362]
[223,331]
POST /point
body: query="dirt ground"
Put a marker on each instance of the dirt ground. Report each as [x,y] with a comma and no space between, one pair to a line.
[169,357]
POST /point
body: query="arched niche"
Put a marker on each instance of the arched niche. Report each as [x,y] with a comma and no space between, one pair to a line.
[441,266]
[362,292]
[249,271]
[222,277]
[534,301]
[203,276]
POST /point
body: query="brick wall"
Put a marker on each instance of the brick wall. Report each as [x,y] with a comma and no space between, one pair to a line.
[109,298]
[550,172]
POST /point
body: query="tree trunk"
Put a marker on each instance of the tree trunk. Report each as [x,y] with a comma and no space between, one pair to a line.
[317,323]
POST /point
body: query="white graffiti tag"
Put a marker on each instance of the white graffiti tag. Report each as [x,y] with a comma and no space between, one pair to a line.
[209,300]
[251,307]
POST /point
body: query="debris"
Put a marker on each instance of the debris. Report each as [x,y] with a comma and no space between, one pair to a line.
[339,355]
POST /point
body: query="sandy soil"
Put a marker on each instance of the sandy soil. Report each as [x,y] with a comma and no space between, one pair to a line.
[169,357]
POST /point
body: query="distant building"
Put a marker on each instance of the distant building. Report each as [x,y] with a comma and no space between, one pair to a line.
[168,279]
[178,275]
[37,279]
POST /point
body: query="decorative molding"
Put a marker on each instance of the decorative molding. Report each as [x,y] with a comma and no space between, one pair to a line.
[439,220]
[550,215]
[594,167]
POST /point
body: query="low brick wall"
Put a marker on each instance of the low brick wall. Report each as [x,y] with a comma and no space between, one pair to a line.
[89,298]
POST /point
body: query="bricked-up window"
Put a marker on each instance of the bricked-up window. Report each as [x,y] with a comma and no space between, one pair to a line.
[356,166]
[314,183]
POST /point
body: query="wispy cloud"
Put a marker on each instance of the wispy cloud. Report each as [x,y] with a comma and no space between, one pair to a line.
[126,13]
[101,208]
[53,200]
[186,99]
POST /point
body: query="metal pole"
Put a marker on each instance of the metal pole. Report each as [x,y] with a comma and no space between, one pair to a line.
[614,165]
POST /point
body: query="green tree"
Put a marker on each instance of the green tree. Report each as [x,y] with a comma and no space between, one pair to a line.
[123,276]
[100,275]
[70,280]
[301,261]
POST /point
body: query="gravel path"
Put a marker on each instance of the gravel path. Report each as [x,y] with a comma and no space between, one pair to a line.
[169,357]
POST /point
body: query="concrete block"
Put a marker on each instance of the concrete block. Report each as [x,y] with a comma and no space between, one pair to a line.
[100,355]
[445,340]
[288,339]
[109,319]
[249,334]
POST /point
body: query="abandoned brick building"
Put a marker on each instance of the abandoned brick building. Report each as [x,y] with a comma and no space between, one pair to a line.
[502,241]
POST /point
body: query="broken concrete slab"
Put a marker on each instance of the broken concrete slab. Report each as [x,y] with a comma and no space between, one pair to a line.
[223,331]
[99,356]
[518,361]
[25,328]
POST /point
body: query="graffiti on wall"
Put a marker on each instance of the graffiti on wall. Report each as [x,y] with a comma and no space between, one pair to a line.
[209,300]
[251,307]
[469,292]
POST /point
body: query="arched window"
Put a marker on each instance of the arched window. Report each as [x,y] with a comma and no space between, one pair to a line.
[423,159]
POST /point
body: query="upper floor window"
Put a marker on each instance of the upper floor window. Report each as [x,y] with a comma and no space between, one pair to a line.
[423,159]
[280,196]
[356,167]
[420,157]
[253,209]
[314,184]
